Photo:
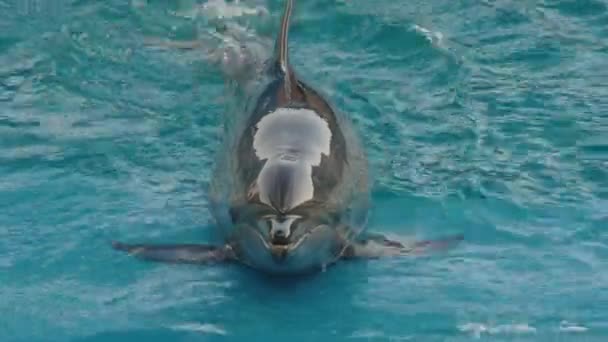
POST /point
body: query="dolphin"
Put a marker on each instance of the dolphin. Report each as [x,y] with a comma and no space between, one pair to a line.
[290,191]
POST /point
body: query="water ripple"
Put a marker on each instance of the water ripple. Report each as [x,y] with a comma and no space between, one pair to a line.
[482,117]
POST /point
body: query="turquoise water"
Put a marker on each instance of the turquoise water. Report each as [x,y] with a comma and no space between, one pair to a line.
[488,118]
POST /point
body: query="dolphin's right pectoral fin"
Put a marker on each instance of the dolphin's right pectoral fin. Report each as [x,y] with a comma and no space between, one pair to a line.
[378,246]
[178,253]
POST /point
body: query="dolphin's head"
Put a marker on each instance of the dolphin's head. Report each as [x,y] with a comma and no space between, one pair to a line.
[292,207]
[289,243]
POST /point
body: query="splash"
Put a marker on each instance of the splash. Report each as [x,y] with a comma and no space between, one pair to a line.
[224,40]
[435,38]
[477,329]
[438,41]
[566,326]
[219,9]
[201,328]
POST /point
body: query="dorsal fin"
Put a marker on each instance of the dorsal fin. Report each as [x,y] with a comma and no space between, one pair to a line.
[282,49]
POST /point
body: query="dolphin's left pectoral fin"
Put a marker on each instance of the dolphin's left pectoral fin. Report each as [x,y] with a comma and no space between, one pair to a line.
[378,246]
[178,253]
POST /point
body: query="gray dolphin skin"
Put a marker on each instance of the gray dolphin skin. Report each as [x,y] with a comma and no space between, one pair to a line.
[290,191]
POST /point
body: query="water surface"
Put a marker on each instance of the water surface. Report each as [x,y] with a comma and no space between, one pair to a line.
[487,118]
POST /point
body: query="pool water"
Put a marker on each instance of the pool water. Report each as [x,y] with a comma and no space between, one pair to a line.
[486,118]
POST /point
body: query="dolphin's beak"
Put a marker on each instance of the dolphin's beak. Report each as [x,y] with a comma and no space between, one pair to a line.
[280,250]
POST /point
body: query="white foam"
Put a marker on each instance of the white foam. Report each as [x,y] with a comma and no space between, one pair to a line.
[434,37]
[219,9]
[200,327]
[477,329]
[566,326]
[367,334]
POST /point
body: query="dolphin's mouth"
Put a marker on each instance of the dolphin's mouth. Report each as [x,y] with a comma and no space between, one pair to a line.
[280,248]
[280,240]
[313,248]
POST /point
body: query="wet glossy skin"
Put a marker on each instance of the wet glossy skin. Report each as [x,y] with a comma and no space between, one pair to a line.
[290,231]
[315,247]
[289,195]
[299,134]
[290,143]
